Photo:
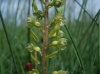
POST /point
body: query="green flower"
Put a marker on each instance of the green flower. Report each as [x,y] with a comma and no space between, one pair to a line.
[61,43]
[31,47]
[60,33]
[31,21]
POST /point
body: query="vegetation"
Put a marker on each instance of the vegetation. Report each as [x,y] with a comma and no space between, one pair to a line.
[81,55]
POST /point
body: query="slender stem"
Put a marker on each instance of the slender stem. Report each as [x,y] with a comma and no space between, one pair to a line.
[28,30]
[45,38]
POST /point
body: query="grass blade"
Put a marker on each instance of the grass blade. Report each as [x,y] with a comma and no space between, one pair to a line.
[28,30]
[86,12]
[8,41]
[88,29]
[76,51]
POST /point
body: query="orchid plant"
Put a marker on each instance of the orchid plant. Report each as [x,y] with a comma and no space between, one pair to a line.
[56,34]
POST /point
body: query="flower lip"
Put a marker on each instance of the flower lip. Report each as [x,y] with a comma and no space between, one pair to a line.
[30,47]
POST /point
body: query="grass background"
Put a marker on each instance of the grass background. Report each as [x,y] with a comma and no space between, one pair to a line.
[82,55]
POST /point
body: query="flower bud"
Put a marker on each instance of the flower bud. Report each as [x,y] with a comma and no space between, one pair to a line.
[54,43]
[54,72]
[37,24]
[37,49]
[28,67]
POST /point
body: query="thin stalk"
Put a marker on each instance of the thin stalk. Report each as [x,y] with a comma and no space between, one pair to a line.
[1,62]
[2,69]
[16,14]
[28,31]
[77,27]
[8,42]
[81,10]
[20,62]
[99,41]
[45,38]
[28,34]
[99,45]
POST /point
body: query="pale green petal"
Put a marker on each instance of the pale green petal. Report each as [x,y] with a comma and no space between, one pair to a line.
[30,47]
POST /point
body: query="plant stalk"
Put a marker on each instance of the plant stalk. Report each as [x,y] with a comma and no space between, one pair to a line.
[45,38]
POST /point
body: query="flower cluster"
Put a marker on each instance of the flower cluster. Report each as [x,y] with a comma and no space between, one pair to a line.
[56,33]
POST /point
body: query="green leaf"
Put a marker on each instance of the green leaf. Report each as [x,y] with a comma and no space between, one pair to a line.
[34,36]
[52,54]
[34,59]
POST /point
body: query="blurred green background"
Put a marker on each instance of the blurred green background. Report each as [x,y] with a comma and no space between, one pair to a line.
[82,31]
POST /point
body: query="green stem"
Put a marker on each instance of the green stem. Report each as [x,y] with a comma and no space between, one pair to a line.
[28,31]
[45,38]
